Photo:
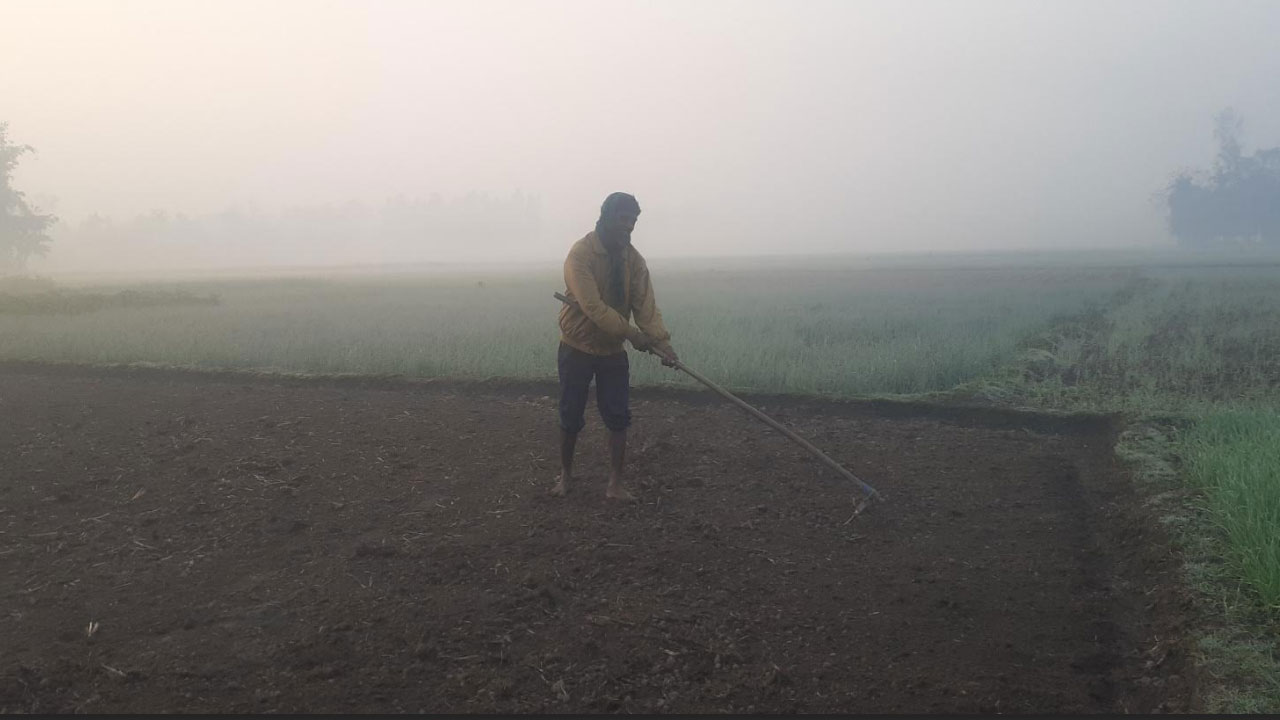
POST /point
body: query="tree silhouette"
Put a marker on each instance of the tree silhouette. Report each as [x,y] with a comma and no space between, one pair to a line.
[1238,201]
[22,228]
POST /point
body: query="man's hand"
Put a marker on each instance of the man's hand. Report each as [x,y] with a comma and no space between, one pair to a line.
[641,342]
[668,355]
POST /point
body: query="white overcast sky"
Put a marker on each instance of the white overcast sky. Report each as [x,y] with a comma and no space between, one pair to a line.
[741,126]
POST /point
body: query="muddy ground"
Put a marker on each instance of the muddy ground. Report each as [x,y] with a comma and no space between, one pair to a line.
[189,542]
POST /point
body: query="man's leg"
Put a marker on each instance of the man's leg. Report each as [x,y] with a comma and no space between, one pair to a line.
[568,441]
[617,455]
[613,396]
[575,378]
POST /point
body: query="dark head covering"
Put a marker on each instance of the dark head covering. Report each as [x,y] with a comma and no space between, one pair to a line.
[618,202]
[616,292]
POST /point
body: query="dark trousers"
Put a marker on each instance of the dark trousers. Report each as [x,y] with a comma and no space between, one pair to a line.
[613,388]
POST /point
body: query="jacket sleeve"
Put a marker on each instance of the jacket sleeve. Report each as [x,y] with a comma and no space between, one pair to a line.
[582,287]
[643,304]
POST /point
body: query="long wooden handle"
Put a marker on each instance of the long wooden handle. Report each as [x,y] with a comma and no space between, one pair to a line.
[870,491]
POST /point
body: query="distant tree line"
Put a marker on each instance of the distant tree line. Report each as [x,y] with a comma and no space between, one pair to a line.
[1237,201]
[399,230]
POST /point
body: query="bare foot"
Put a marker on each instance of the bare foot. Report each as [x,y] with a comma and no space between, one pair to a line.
[615,491]
[561,489]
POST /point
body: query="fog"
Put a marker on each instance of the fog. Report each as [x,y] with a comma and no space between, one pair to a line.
[228,133]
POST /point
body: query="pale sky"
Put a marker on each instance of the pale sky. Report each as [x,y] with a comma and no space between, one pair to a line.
[741,126]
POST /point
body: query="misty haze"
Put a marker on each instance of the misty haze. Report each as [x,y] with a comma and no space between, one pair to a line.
[589,357]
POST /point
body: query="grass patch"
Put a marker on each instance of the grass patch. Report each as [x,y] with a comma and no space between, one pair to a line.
[1235,458]
[1235,641]
[804,330]
[1181,341]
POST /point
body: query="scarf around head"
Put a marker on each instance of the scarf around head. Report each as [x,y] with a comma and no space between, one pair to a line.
[617,289]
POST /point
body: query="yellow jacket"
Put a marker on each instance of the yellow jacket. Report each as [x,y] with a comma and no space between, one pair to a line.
[595,327]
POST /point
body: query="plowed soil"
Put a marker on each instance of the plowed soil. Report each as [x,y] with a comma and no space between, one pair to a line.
[187,542]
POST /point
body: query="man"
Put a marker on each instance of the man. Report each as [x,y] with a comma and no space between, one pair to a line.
[609,281]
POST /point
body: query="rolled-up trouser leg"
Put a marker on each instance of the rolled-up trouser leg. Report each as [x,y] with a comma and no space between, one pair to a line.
[613,390]
[576,369]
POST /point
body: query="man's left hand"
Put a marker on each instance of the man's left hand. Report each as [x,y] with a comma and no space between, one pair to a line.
[668,355]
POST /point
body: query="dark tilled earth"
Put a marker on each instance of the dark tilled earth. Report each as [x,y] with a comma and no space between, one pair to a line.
[187,542]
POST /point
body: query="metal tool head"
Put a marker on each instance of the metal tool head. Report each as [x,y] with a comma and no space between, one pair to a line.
[862,503]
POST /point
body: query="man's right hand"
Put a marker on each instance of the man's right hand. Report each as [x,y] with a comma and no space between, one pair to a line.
[666,352]
[641,342]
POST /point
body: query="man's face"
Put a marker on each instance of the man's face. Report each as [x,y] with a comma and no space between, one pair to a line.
[622,222]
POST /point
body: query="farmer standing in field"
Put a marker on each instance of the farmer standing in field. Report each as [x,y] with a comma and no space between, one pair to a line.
[609,281]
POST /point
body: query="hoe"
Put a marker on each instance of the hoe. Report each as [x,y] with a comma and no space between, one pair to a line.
[869,492]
